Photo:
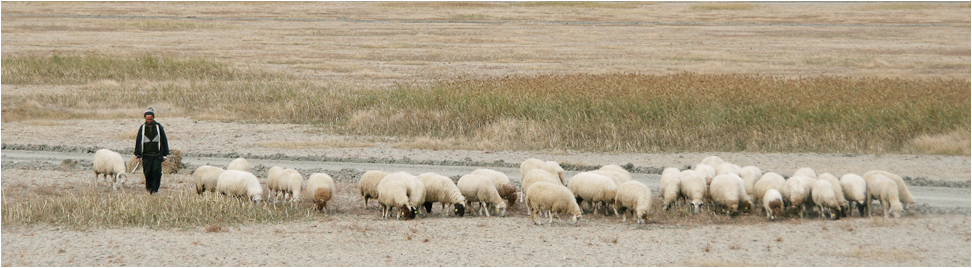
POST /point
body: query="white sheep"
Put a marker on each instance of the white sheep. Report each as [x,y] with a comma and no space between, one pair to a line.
[768,181]
[503,185]
[240,183]
[534,176]
[694,188]
[557,170]
[290,183]
[773,203]
[533,163]
[724,191]
[750,175]
[205,178]
[713,161]
[617,177]
[669,186]
[727,168]
[903,193]
[368,185]
[320,188]
[619,169]
[440,189]
[551,198]
[595,189]
[805,172]
[402,191]
[708,172]
[239,164]
[838,192]
[796,191]
[273,182]
[477,188]
[855,191]
[111,165]
[634,196]
[745,201]
[885,190]
[825,198]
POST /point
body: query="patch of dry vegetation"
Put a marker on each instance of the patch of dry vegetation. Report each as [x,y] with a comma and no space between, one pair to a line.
[605,112]
[723,6]
[314,144]
[955,142]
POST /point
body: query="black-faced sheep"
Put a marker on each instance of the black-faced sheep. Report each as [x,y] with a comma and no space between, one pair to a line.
[440,189]
[402,191]
[855,192]
[477,188]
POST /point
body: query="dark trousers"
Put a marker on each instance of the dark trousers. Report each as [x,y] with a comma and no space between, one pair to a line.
[152,168]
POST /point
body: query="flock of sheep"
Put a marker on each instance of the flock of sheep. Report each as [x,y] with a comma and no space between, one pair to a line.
[731,189]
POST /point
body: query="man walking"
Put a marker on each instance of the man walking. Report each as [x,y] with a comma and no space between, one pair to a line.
[151,148]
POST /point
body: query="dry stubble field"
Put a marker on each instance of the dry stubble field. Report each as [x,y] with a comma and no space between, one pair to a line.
[387,69]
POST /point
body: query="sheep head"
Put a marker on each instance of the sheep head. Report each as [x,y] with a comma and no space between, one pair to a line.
[575,218]
[408,212]
[501,209]
[257,199]
[697,205]
[895,210]
[459,209]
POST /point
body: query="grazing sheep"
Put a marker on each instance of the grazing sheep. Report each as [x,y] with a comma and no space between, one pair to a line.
[838,192]
[670,186]
[290,183]
[796,191]
[320,187]
[825,198]
[617,177]
[441,189]
[534,176]
[724,191]
[745,202]
[750,175]
[903,193]
[595,189]
[110,164]
[855,191]
[773,203]
[634,196]
[205,178]
[806,172]
[533,163]
[402,191]
[477,188]
[273,182]
[239,183]
[713,161]
[239,164]
[368,185]
[557,170]
[768,181]
[727,168]
[885,190]
[503,185]
[694,188]
[551,198]
[708,172]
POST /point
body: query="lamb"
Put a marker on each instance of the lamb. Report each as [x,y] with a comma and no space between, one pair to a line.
[903,193]
[290,183]
[320,187]
[368,185]
[750,175]
[713,161]
[768,181]
[402,191]
[551,198]
[441,189]
[797,192]
[477,188]
[670,186]
[110,164]
[205,178]
[727,168]
[825,198]
[855,190]
[503,185]
[773,203]
[885,190]
[273,181]
[634,196]
[240,183]
[595,189]
[239,164]
[533,163]
[838,192]
[724,191]
[694,188]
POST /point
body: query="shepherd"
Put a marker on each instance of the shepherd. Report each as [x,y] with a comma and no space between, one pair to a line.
[151,149]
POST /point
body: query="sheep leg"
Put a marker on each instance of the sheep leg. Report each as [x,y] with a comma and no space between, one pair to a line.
[551,217]
[485,207]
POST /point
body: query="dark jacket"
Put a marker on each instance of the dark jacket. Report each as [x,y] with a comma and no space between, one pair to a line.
[157,145]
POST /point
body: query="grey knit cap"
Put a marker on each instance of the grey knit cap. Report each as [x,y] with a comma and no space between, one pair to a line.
[149,112]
